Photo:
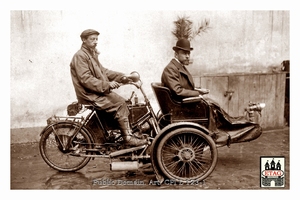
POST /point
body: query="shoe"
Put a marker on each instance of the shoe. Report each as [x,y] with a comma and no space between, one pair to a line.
[139,135]
[133,141]
[127,135]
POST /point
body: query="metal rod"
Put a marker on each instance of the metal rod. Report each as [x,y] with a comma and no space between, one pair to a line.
[123,151]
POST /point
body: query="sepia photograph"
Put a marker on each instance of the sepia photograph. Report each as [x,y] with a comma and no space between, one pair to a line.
[150,99]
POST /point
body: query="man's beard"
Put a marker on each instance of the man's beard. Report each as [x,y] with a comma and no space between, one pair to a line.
[185,62]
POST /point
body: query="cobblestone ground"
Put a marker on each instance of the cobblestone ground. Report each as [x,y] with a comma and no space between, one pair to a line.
[238,168]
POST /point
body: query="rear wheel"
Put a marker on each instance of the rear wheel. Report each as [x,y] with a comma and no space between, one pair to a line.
[186,154]
[58,151]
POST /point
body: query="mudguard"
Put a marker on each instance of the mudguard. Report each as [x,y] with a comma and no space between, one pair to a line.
[77,125]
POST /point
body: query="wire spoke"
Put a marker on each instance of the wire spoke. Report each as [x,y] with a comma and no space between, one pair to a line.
[186,155]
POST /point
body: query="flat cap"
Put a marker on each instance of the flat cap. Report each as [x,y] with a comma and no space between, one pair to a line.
[88,32]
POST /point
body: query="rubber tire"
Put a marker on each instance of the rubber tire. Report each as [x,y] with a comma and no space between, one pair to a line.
[60,127]
[182,132]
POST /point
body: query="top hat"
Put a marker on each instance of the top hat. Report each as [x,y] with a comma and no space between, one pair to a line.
[88,32]
[183,44]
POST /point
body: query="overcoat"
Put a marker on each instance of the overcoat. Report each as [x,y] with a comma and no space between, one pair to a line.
[91,80]
[178,79]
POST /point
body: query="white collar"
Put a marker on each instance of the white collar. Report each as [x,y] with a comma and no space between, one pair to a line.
[179,62]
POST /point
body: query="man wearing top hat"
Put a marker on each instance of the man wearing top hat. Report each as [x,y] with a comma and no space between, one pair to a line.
[93,84]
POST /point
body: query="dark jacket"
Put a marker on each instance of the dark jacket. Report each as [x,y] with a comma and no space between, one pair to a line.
[91,80]
[177,78]
[180,82]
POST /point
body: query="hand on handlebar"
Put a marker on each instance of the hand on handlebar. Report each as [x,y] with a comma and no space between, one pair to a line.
[125,80]
[114,85]
[132,78]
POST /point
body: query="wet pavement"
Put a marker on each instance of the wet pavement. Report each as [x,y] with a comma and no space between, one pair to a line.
[238,167]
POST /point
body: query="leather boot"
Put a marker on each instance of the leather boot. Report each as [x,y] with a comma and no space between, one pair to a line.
[126,132]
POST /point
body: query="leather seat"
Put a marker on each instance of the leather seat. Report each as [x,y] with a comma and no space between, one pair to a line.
[189,109]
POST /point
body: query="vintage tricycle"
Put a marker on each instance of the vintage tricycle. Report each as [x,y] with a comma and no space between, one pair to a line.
[181,145]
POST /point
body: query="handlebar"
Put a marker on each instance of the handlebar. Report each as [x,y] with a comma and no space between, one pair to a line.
[132,79]
[136,84]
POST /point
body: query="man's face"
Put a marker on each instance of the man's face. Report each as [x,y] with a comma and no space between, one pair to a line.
[91,41]
[183,57]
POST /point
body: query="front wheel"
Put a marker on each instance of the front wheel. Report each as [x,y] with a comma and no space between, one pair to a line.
[186,154]
[57,149]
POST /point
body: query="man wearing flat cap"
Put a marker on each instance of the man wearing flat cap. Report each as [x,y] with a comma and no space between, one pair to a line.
[94,84]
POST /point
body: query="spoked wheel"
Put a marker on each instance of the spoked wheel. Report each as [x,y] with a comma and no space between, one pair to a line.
[186,154]
[59,152]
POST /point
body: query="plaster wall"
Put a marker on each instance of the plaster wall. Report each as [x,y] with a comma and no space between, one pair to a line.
[43,43]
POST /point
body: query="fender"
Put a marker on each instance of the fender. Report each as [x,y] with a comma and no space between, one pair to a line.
[177,125]
[163,132]
[77,125]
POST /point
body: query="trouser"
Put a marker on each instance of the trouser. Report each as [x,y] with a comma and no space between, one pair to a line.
[115,105]
[121,116]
